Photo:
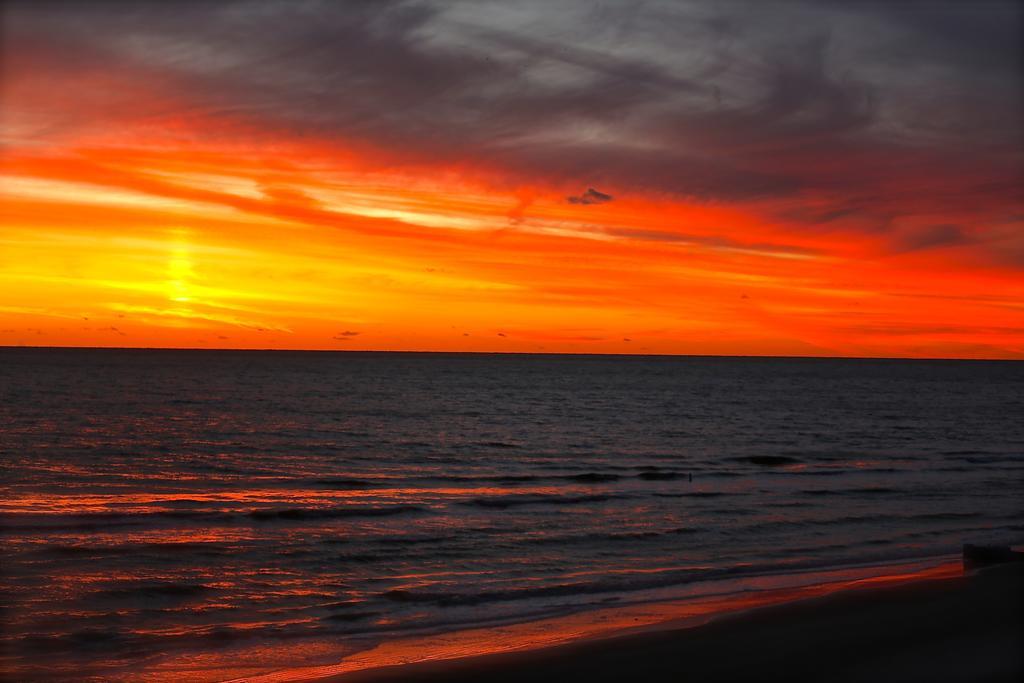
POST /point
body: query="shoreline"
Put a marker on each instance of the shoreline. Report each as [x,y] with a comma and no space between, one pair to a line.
[488,650]
[925,628]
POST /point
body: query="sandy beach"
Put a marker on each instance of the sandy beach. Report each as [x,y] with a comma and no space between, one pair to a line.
[966,628]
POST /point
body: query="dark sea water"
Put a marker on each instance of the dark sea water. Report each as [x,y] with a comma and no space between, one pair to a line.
[170,504]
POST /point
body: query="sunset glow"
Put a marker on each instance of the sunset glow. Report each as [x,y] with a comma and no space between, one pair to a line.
[168,183]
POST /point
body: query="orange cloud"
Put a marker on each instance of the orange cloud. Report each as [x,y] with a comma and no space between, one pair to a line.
[149,202]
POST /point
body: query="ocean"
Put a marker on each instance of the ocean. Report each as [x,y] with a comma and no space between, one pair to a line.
[181,508]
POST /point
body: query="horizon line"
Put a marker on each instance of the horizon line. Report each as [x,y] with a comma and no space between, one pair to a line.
[4,347]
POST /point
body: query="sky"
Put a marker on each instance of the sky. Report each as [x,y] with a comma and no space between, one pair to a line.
[769,177]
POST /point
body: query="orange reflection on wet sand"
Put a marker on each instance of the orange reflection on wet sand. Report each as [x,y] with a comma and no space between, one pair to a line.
[596,624]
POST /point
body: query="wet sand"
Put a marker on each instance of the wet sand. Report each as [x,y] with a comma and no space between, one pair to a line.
[966,628]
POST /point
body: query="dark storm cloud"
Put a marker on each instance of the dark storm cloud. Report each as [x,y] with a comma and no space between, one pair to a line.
[944,235]
[976,35]
[877,109]
[591,196]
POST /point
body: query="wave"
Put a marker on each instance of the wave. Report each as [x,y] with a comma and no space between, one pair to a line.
[406,540]
[160,591]
[290,514]
[861,519]
[612,536]
[482,479]
[344,483]
[56,523]
[95,521]
[502,502]
[836,472]
[592,477]
[769,460]
[618,473]
[634,582]
[351,616]
[583,478]
[661,475]
[357,558]
[866,490]
[170,547]
[697,494]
